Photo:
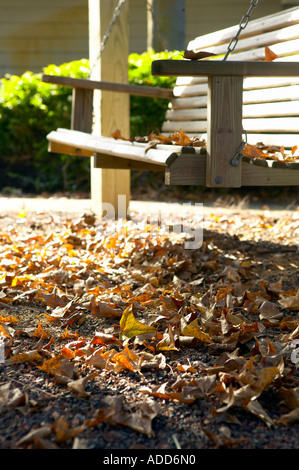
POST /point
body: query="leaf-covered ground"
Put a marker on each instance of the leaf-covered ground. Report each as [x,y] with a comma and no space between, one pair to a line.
[118,337]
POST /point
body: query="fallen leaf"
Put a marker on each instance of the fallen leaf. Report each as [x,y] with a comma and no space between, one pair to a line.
[140,420]
[33,357]
[291,302]
[289,418]
[130,327]
[42,432]
[197,55]
[63,432]
[195,331]
[269,55]
[58,365]
[127,359]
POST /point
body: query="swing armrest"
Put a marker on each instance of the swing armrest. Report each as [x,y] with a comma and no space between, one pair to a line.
[87,84]
[194,68]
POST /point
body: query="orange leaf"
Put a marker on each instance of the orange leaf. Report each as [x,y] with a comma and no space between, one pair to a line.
[8,319]
[41,333]
[58,366]
[127,359]
[269,55]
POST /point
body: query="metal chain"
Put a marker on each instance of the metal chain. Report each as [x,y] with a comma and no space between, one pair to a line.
[242,25]
[108,32]
[239,154]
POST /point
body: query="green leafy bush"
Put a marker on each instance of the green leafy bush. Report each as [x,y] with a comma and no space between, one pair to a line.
[30,109]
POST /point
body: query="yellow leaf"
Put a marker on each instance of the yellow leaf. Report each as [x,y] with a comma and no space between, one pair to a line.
[32,357]
[195,331]
[130,327]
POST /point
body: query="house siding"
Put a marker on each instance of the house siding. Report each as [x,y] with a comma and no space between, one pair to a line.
[35,33]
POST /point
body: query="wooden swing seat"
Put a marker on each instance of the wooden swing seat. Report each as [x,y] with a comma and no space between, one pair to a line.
[212,99]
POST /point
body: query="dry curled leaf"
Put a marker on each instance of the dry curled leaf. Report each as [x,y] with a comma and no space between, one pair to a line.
[197,55]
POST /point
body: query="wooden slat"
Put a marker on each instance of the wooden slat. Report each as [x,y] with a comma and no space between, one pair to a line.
[189,102]
[255,27]
[186,114]
[156,92]
[162,155]
[272,124]
[280,49]
[285,108]
[57,147]
[225,68]
[191,169]
[285,140]
[257,41]
[187,169]
[271,94]
[186,126]
[194,90]
[249,83]
[260,94]
[253,175]
[120,163]
[251,125]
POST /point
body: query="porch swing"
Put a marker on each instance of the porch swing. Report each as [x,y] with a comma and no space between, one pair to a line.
[215,99]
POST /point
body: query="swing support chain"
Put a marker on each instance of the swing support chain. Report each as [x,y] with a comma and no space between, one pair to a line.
[232,45]
[239,154]
[242,25]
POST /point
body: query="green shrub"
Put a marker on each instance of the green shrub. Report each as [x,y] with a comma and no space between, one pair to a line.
[30,109]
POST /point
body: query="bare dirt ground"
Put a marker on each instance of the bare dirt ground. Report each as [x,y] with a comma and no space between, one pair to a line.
[118,337]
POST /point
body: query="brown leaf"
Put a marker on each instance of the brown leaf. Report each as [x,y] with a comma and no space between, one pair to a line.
[63,432]
[78,386]
[103,310]
[161,392]
[43,432]
[289,418]
[197,55]
[140,420]
[290,302]
[256,408]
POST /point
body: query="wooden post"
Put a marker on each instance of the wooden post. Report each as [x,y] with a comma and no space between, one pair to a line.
[82,110]
[224,135]
[111,110]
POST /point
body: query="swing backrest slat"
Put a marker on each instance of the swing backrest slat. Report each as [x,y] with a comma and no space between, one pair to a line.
[270,104]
